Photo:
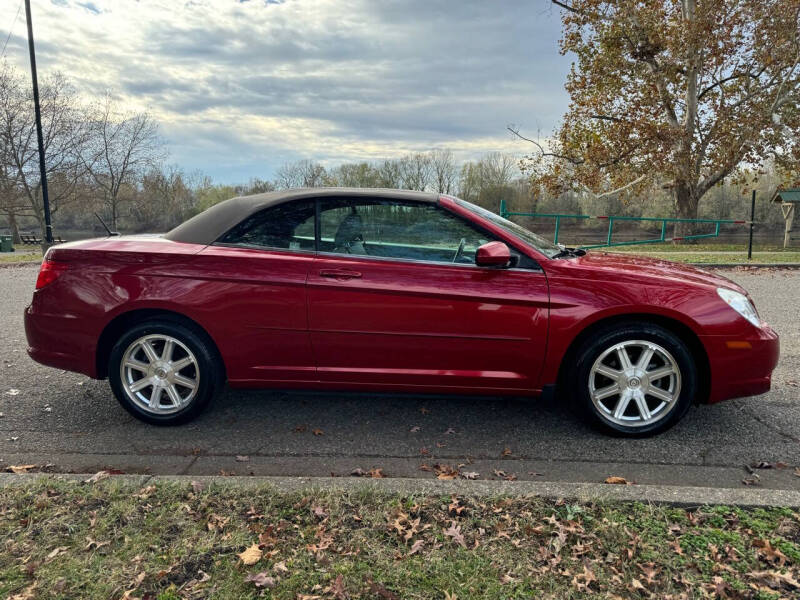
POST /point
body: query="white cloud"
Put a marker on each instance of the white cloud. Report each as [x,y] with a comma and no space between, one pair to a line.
[241,86]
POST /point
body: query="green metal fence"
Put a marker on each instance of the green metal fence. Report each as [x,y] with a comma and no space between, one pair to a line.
[504,212]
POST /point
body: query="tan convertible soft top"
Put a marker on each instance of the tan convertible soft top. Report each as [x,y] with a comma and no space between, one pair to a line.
[209,225]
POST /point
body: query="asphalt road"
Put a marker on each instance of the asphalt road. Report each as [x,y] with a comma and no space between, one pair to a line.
[67,422]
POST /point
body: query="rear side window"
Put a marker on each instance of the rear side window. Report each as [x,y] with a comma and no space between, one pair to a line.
[287,226]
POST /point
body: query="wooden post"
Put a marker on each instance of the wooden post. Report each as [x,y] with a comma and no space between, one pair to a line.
[787,208]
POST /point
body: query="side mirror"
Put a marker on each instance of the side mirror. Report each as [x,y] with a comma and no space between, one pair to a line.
[493,254]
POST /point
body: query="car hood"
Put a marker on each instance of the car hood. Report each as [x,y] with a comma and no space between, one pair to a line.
[651,268]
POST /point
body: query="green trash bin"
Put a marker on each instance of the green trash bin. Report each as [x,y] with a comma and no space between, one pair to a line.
[6,243]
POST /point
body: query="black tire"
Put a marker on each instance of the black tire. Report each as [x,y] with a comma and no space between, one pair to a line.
[603,340]
[208,370]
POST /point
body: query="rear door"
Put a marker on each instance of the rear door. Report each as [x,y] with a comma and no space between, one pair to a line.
[395,299]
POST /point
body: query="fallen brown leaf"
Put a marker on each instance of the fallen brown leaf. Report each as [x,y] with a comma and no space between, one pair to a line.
[280,567]
[614,480]
[56,551]
[379,590]
[20,468]
[337,588]
[454,531]
[773,555]
[95,544]
[262,580]
[445,471]
[504,475]
[251,555]
[99,476]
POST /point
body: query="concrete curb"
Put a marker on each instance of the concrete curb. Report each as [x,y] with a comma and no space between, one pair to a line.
[22,263]
[584,492]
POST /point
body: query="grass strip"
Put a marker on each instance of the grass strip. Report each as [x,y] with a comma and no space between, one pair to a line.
[165,541]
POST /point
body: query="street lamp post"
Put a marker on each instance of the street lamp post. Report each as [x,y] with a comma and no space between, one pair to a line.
[48,233]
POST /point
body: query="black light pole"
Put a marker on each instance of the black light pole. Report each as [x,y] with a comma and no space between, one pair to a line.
[752,218]
[48,233]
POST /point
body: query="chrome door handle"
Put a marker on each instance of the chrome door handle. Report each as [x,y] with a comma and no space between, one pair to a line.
[339,274]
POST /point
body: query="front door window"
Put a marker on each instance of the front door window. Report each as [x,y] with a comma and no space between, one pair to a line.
[391,229]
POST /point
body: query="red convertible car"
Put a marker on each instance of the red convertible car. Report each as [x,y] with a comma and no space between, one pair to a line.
[389,290]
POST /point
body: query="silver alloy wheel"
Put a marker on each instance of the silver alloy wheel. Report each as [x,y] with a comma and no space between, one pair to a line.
[159,374]
[635,383]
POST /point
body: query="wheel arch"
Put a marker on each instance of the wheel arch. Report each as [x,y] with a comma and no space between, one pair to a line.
[124,321]
[683,331]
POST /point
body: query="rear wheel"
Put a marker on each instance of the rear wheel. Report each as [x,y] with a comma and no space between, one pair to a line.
[634,379]
[163,372]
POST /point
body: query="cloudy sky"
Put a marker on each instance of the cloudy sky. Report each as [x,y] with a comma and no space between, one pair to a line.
[240,87]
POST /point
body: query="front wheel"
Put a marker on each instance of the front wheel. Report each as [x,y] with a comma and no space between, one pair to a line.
[163,372]
[635,379]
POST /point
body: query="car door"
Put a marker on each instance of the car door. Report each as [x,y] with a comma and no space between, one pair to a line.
[255,295]
[395,299]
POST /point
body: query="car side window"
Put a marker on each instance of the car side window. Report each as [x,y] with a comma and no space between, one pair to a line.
[397,229]
[287,226]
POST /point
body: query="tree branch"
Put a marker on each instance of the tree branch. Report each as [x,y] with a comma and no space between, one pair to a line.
[574,161]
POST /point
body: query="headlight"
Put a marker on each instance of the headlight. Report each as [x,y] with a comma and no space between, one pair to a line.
[740,304]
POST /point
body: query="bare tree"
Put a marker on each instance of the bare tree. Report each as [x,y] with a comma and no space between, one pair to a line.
[124,146]
[416,171]
[300,174]
[64,134]
[358,175]
[444,171]
[389,175]
[163,198]
[497,169]
[469,182]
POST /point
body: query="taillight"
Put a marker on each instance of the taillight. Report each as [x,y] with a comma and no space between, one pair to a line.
[49,272]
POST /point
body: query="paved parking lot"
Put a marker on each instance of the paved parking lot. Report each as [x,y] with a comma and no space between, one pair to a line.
[72,423]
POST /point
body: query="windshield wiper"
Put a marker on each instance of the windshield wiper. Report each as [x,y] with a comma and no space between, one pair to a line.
[568,252]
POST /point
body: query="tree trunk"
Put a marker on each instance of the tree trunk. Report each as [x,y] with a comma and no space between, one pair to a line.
[14,227]
[43,229]
[685,208]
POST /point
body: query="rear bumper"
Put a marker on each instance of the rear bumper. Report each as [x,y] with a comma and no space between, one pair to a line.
[61,342]
[738,372]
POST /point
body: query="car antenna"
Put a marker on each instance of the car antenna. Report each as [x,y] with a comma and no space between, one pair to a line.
[103,223]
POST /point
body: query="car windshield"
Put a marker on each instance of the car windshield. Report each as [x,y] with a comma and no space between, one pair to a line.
[539,243]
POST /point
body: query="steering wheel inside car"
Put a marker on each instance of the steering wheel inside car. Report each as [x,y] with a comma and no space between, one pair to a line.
[460,250]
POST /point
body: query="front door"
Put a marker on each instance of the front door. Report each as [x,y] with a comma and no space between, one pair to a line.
[395,299]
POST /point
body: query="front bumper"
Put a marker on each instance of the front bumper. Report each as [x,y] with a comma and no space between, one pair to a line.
[741,371]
